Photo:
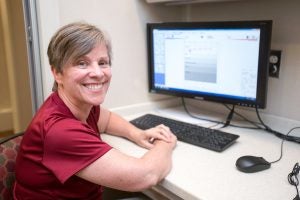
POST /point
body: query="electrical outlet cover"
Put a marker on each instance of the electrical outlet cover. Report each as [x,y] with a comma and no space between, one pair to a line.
[274,63]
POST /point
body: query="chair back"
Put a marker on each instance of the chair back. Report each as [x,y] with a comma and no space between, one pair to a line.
[9,147]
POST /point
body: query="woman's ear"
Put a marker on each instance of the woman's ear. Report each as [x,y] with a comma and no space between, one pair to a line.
[57,75]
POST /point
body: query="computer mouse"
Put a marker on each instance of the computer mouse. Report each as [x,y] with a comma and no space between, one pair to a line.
[250,164]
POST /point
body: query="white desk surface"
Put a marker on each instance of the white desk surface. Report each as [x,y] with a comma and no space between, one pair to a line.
[199,173]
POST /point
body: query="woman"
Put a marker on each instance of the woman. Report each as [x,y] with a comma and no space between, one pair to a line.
[62,155]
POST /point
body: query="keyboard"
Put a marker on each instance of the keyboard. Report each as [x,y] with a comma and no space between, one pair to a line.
[211,139]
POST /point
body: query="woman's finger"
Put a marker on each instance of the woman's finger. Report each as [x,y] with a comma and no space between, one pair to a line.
[161,132]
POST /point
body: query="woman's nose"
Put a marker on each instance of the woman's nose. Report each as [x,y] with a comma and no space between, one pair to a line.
[96,70]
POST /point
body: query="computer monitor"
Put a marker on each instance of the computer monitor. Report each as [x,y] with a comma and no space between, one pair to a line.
[225,62]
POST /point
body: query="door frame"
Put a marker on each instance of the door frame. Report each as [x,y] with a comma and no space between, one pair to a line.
[34,53]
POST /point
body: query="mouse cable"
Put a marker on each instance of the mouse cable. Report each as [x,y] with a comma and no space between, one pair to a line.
[276,133]
[281,146]
[293,179]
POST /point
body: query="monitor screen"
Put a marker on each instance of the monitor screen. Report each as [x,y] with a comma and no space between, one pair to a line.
[226,62]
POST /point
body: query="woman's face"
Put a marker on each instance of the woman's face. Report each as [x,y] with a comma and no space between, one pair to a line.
[85,81]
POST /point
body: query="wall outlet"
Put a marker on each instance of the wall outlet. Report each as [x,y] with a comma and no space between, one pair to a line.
[274,63]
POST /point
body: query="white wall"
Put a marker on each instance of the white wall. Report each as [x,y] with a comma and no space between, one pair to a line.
[48,23]
[125,21]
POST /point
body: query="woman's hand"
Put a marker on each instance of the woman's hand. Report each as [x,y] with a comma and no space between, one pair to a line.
[147,137]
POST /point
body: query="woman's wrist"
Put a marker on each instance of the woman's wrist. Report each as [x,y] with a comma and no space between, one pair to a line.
[134,133]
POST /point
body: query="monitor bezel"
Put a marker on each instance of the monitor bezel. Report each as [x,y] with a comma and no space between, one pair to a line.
[263,70]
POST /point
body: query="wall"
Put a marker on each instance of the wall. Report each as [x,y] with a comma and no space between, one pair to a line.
[125,22]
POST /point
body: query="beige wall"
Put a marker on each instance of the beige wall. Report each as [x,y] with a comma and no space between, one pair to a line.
[125,22]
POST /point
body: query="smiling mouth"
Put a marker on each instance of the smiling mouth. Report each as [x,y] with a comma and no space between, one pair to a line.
[94,87]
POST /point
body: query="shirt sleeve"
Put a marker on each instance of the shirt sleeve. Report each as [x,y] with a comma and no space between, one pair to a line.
[70,146]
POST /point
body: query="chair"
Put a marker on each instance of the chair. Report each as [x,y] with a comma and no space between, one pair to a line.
[9,147]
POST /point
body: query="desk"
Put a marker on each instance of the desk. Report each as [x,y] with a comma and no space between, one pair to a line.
[199,173]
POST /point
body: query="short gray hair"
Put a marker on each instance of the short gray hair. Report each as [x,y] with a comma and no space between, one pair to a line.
[73,41]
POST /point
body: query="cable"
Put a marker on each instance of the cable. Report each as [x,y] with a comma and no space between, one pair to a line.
[281,146]
[229,117]
[194,116]
[219,122]
[293,179]
[276,133]
[265,127]
[205,119]
[255,124]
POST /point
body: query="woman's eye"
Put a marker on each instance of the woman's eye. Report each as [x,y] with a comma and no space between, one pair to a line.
[103,64]
[82,64]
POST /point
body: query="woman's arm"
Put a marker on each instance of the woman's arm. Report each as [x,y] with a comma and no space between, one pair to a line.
[117,170]
[114,124]
[120,171]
